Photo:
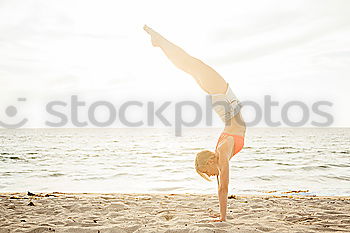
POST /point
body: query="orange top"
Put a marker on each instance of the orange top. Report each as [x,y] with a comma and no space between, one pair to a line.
[238,139]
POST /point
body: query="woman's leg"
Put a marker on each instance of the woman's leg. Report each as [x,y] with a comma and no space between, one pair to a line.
[207,78]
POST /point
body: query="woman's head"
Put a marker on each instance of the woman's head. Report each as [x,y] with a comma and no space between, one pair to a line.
[206,164]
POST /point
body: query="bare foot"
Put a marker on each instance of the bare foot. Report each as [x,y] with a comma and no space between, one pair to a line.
[155,36]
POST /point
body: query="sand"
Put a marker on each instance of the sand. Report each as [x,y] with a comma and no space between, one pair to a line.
[65,212]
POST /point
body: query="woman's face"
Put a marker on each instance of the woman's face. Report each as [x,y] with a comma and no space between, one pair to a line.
[212,168]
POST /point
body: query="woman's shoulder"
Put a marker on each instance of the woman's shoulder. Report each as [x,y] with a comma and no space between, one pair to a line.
[226,145]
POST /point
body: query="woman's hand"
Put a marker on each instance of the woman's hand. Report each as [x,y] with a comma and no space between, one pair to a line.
[217,220]
[214,215]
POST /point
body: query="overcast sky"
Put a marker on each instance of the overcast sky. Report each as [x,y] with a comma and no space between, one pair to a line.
[291,50]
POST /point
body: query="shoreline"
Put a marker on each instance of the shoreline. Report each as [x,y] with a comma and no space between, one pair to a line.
[142,212]
[268,194]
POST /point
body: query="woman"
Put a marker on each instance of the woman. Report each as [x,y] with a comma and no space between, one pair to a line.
[226,105]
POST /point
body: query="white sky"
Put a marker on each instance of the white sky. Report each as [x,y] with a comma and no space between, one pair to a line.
[292,50]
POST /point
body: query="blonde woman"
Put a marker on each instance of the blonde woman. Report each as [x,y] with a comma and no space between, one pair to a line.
[226,105]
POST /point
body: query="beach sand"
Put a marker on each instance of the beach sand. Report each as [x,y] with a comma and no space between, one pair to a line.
[68,212]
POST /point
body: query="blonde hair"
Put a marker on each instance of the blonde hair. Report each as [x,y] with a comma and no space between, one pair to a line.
[201,162]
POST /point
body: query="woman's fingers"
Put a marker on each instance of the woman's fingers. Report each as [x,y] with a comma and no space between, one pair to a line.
[214,215]
[216,220]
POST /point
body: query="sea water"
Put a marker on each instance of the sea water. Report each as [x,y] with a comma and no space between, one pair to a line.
[145,160]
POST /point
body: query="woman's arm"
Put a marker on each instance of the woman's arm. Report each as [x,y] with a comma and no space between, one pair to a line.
[223,186]
[224,151]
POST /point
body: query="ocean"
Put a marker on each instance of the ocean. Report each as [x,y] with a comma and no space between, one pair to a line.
[144,160]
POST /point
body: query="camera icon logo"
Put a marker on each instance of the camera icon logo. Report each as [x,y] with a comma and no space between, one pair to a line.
[11,111]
